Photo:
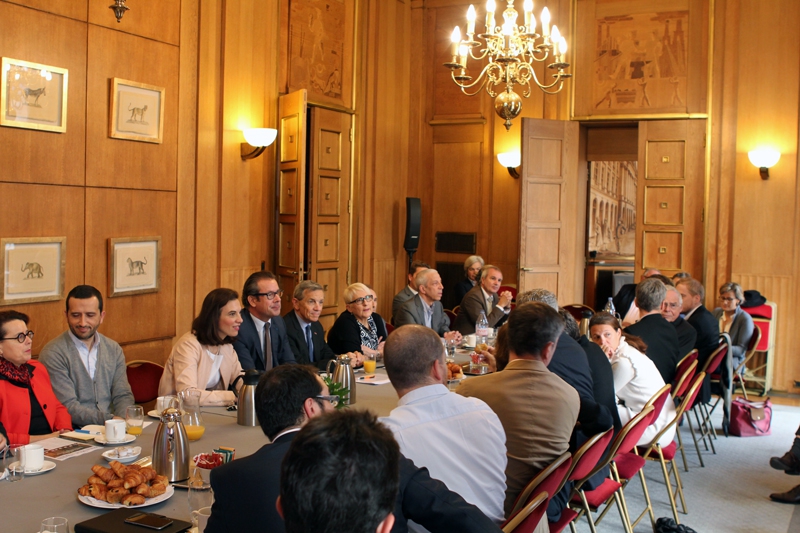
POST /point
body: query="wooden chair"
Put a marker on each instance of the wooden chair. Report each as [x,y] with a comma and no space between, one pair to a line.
[457,310]
[143,377]
[526,520]
[548,480]
[576,310]
[451,315]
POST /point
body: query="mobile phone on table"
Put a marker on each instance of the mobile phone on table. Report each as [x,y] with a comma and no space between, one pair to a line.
[152,521]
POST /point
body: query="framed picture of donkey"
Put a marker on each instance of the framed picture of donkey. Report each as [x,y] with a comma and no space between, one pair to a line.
[137,111]
[134,265]
[33,269]
[33,96]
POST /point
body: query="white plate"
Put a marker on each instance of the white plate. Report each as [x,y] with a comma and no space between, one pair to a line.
[111,455]
[101,439]
[46,467]
[88,500]
[155,414]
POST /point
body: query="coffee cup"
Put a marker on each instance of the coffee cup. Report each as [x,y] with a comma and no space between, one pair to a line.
[469,340]
[201,515]
[115,430]
[165,402]
[33,457]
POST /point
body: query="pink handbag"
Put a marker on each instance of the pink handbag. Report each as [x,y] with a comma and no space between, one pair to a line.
[751,419]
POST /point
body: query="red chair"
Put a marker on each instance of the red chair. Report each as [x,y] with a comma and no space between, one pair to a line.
[451,315]
[457,310]
[389,328]
[526,520]
[576,310]
[143,377]
[548,480]
[683,380]
[513,291]
[683,364]
[701,412]
[739,370]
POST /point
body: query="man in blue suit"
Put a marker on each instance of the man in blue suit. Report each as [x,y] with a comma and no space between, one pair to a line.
[262,322]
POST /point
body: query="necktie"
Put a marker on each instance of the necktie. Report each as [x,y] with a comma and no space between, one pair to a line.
[489,305]
[310,343]
[267,348]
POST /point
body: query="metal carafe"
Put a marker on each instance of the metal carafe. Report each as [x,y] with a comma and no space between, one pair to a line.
[171,447]
[586,315]
[344,376]
[246,411]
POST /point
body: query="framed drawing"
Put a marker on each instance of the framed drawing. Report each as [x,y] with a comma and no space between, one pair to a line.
[33,269]
[137,111]
[134,265]
[612,209]
[33,96]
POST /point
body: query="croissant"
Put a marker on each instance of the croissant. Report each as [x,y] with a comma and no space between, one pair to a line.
[148,473]
[133,479]
[84,491]
[119,469]
[114,483]
[143,489]
[95,480]
[115,495]
[106,474]
[161,479]
[132,499]
[134,467]
[151,492]
[98,492]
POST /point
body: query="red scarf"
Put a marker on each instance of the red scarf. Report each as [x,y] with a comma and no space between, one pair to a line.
[19,374]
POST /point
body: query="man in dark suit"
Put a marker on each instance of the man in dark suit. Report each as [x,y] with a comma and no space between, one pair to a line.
[704,323]
[624,300]
[261,320]
[410,290]
[245,490]
[671,311]
[663,347]
[425,308]
[303,327]
[484,297]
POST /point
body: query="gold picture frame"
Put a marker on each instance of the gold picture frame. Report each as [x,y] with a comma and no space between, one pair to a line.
[33,96]
[136,111]
[40,278]
[134,265]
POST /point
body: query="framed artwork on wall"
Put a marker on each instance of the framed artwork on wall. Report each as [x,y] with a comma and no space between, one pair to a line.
[33,96]
[611,231]
[137,111]
[33,269]
[134,265]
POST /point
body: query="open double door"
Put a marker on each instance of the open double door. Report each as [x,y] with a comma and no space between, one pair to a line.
[313,200]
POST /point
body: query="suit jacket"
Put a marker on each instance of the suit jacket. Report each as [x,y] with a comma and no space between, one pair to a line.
[624,298]
[602,379]
[299,345]
[413,312]
[471,307]
[462,288]
[248,344]
[663,347]
[345,336]
[571,364]
[707,328]
[399,299]
[740,333]
[686,335]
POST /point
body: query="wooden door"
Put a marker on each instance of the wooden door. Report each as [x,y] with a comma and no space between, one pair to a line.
[553,210]
[670,197]
[329,207]
[291,227]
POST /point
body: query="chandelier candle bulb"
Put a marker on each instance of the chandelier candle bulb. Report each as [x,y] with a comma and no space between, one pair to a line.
[562,49]
[455,39]
[545,18]
[528,6]
[463,51]
[555,39]
[471,21]
[490,7]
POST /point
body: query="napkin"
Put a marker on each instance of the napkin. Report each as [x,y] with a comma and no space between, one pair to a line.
[4,474]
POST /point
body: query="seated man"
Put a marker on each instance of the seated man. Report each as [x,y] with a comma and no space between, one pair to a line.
[410,290]
[425,308]
[663,347]
[261,321]
[671,311]
[245,490]
[436,429]
[348,450]
[484,297]
[537,408]
[704,323]
[624,300]
[87,370]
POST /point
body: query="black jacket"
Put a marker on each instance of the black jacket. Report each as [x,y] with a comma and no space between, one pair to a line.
[248,344]
[602,379]
[662,343]
[686,335]
[299,345]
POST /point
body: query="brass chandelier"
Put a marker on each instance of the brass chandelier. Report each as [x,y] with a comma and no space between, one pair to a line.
[512,51]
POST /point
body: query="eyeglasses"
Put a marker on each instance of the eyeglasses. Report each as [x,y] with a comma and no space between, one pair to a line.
[270,295]
[367,298]
[728,300]
[672,305]
[334,400]
[21,337]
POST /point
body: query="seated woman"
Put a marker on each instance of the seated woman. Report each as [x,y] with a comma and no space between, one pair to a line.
[29,409]
[734,321]
[356,329]
[472,267]
[204,358]
[636,378]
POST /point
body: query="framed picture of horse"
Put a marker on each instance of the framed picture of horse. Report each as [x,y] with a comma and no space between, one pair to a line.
[137,111]
[33,269]
[134,265]
[33,96]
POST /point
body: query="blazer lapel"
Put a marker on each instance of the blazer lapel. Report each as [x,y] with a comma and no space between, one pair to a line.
[252,326]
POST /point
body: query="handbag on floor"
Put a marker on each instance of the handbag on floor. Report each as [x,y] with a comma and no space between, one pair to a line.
[668,525]
[751,419]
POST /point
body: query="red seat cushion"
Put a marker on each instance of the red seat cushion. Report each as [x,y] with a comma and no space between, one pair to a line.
[628,464]
[600,495]
[567,516]
[668,451]
[144,379]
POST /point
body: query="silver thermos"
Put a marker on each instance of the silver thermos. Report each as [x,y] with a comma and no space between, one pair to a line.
[246,411]
[171,447]
[344,376]
[584,325]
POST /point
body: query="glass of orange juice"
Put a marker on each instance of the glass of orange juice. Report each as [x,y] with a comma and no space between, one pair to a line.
[134,419]
[192,419]
[369,363]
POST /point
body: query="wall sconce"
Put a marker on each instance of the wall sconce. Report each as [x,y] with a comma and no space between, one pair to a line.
[119,8]
[764,158]
[510,160]
[256,141]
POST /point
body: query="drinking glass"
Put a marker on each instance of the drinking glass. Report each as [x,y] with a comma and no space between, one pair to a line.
[55,524]
[134,419]
[200,493]
[369,363]
[14,462]
[451,350]
[192,419]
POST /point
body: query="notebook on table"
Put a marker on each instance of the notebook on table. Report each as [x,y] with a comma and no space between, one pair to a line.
[114,522]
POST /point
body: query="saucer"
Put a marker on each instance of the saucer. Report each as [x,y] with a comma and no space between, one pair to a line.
[46,467]
[111,455]
[101,439]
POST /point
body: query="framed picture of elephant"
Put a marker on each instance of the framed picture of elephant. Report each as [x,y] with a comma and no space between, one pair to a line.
[33,96]
[134,265]
[137,111]
[33,269]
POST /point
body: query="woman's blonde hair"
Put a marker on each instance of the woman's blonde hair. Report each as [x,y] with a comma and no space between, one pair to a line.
[351,290]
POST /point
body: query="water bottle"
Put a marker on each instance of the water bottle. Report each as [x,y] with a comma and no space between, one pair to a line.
[609,308]
[481,328]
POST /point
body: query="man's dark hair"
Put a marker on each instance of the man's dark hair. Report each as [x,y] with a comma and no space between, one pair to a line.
[409,353]
[251,285]
[206,326]
[415,265]
[8,316]
[650,294]
[531,326]
[570,324]
[84,292]
[340,475]
[280,395]
[664,279]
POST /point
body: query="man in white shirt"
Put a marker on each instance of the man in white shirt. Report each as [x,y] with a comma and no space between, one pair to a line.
[460,440]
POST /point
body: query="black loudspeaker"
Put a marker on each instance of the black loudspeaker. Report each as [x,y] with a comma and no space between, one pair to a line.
[413,222]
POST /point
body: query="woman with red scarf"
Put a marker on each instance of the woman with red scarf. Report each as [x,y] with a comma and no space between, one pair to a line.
[29,409]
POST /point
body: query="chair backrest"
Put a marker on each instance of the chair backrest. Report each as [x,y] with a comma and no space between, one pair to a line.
[688,358]
[457,310]
[547,480]
[686,403]
[143,377]
[526,520]
[451,315]
[767,341]
[714,360]
[658,400]
[576,310]
[586,458]
[389,328]
[684,378]
[755,339]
